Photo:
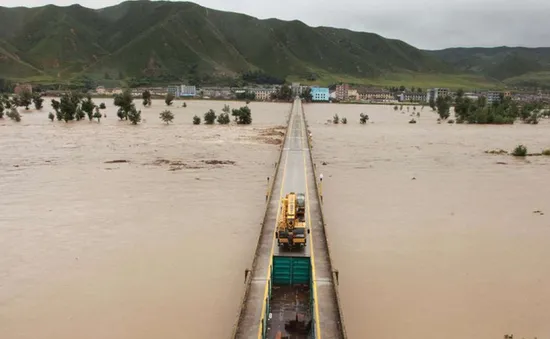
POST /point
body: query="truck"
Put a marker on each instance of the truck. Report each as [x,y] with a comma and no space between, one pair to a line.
[291,226]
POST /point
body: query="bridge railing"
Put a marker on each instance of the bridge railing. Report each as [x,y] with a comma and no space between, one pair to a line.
[322,215]
[248,278]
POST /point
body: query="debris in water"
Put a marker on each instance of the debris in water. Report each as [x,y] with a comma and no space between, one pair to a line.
[176,165]
[218,162]
[497,151]
[120,161]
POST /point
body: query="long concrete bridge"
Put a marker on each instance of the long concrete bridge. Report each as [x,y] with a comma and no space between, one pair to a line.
[295,173]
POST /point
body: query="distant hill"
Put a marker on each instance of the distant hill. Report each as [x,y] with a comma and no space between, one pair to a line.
[162,42]
[515,66]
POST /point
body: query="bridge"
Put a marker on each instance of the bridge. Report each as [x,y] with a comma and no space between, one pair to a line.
[265,309]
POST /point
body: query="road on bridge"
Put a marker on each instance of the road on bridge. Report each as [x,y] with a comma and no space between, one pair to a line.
[295,174]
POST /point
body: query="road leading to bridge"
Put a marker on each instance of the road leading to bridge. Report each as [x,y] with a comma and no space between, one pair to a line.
[295,175]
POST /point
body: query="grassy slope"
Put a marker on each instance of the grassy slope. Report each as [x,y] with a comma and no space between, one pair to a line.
[143,38]
[511,65]
[412,79]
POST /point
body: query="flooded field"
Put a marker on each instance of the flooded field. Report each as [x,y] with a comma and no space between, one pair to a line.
[432,237]
[117,231]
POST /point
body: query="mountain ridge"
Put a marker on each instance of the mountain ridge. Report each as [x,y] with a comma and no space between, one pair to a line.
[160,42]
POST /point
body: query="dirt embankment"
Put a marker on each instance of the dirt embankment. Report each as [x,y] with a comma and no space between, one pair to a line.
[272,136]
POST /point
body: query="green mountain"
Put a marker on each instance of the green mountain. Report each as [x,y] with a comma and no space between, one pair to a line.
[166,41]
[161,42]
[515,66]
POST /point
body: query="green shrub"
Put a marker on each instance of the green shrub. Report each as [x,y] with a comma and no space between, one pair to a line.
[223,119]
[166,116]
[210,117]
[520,151]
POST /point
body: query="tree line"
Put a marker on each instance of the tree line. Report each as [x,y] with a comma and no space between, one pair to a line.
[480,111]
[242,116]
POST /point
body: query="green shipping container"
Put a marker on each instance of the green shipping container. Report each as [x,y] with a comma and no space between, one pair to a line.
[291,270]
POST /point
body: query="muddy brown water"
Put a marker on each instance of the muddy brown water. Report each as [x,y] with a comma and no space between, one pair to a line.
[155,247]
[456,253]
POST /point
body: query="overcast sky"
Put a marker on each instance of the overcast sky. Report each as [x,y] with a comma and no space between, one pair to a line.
[427,24]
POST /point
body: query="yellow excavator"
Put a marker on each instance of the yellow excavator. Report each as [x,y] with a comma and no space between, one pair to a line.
[291,226]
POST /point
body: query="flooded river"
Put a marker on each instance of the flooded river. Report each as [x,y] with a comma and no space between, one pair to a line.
[434,238]
[152,245]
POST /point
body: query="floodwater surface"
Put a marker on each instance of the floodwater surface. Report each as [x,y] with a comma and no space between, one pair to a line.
[434,238]
[117,231]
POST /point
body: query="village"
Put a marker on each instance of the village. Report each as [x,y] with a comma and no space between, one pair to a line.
[337,93]
[343,93]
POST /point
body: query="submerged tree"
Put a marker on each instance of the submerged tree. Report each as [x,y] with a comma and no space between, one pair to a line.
[283,93]
[134,115]
[306,95]
[69,107]
[97,114]
[432,104]
[243,115]
[79,115]
[57,108]
[210,117]
[335,119]
[519,151]
[13,114]
[25,98]
[166,116]
[88,106]
[223,119]
[37,100]
[51,116]
[124,102]
[226,109]
[146,95]
[196,120]
[169,98]
[5,101]
[363,118]
[443,104]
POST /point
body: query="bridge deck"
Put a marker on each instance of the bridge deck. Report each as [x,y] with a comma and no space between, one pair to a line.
[295,175]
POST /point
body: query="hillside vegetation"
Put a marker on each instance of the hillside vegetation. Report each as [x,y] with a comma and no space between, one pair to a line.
[514,66]
[143,42]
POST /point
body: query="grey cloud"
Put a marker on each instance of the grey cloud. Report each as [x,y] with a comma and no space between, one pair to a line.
[428,24]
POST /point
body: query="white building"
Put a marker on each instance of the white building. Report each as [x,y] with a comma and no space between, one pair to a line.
[434,93]
[187,91]
[471,96]
[492,97]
